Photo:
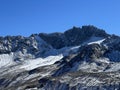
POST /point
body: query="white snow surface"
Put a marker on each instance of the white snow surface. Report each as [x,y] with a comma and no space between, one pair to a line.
[114,67]
[94,39]
[6,60]
[97,42]
[34,63]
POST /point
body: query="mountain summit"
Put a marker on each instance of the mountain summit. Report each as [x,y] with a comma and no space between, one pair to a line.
[85,58]
[73,37]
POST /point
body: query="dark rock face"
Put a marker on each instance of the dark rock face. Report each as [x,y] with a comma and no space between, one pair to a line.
[113,42]
[2,81]
[77,36]
[91,30]
[56,40]
[92,51]
[113,48]
[73,37]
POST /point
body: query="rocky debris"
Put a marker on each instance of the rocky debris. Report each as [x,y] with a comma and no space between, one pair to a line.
[81,81]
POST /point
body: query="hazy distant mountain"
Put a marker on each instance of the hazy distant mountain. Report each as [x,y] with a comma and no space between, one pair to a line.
[84,58]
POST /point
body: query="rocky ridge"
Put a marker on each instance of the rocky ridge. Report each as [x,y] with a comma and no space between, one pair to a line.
[84,58]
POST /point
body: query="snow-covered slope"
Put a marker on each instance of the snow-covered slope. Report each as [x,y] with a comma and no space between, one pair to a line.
[34,63]
[78,59]
[94,39]
[6,60]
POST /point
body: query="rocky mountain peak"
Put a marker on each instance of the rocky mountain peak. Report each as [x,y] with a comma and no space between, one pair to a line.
[73,37]
[80,58]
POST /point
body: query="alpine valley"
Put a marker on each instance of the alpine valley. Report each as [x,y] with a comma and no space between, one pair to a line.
[81,58]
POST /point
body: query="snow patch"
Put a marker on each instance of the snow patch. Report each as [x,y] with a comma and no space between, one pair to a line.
[97,42]
[6,60]
[34,63]
[114,67]
[94,39]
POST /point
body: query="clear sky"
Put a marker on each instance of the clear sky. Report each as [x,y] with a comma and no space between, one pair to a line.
[24,17]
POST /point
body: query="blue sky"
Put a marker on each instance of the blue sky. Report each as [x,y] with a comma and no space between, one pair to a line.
[24,17]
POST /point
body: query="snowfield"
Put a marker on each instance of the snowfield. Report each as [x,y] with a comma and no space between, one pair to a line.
[6,60]
[94,40]
[34,63]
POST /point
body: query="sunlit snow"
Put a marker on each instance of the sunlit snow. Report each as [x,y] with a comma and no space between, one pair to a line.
[34,63]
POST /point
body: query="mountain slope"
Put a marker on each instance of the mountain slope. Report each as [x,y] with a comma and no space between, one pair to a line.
[78,59]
